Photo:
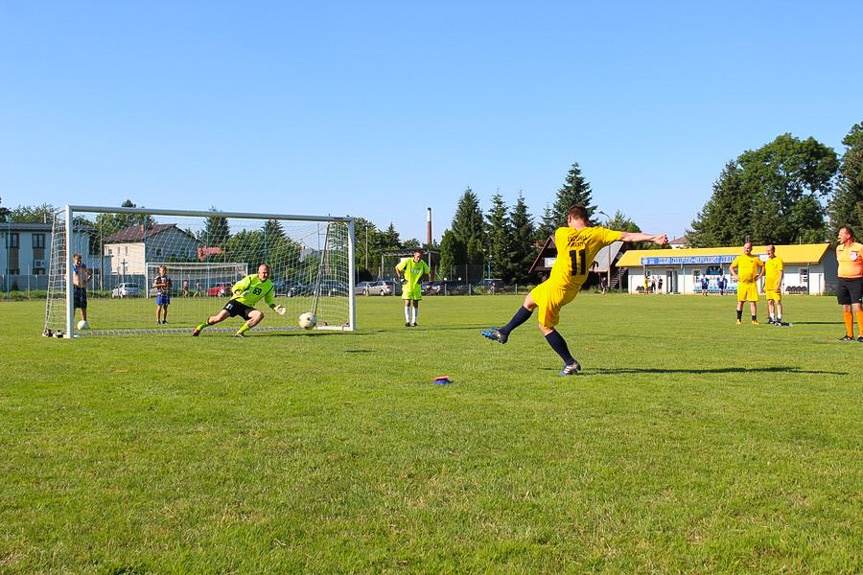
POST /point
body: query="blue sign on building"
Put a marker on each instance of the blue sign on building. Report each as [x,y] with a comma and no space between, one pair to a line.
[687,260]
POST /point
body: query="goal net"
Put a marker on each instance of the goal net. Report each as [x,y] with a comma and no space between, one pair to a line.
[202,255]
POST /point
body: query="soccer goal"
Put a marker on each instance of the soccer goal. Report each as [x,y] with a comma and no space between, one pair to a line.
[202,254]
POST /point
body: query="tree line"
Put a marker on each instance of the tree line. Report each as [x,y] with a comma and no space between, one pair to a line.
[788,191]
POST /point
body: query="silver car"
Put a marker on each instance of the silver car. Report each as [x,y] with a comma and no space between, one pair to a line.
[125,290]
[373,288]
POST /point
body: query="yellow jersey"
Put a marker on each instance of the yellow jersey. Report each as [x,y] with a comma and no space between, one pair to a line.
[576,250]
[250,289]
[772,268]
[747,267]
[413,273]
[850,260]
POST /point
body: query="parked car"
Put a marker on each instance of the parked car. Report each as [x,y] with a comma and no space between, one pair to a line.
[334,288]
[125,290]
[455,288]
[432,288]
[395,286]
[222,289]
[291,288]
[490,286]
[373,288]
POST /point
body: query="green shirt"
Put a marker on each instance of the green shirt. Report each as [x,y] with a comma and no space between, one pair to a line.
[413,272]
[249,290]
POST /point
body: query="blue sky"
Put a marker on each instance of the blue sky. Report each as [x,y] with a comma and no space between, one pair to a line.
[380,109]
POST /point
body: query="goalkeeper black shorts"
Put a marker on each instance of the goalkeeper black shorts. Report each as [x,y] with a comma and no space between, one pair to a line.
[234,307]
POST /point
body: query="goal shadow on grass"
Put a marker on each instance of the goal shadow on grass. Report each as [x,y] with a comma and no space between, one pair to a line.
[704,371]
[326,333]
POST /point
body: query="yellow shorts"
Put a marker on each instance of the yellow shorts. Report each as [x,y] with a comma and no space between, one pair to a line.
[774,295]
[549,299]
[415,294]
[747,291]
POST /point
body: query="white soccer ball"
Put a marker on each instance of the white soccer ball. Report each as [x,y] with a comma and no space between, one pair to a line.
[308,320]
[82,325]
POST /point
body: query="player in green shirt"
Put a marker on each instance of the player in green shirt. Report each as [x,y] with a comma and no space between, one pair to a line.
[247,292]
[413,270]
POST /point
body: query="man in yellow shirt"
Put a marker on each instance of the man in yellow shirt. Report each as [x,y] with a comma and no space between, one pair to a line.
[747,270]
[849,254]
[245,294]
[773,273]
[577,246]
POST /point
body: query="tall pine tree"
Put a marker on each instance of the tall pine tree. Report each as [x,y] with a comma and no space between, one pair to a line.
[523,234]
[499,238]
[467,225]
[575,190]
[547,224]
[846,206]
[452,254]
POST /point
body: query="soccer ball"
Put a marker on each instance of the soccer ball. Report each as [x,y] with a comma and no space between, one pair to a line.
[82,325]
[308,320]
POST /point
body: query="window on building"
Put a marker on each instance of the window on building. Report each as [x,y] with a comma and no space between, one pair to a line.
[110,251]
[12,241]
[804,276]
[38,240]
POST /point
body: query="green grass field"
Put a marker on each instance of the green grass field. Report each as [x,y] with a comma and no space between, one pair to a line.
[688,444]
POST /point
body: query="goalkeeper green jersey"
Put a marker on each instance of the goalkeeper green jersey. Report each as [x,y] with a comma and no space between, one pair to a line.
[413,272]
[249,290]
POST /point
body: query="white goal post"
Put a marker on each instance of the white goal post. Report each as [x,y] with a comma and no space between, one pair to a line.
[203,253]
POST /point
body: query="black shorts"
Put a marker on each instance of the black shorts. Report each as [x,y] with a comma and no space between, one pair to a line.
[234,307]
[80,298]
[849,291]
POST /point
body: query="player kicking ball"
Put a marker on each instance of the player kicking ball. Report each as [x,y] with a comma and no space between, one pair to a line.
[577,246]
[247,292]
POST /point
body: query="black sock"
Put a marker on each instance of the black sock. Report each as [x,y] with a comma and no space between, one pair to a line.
[754,318]
[522,315]
[739,314]
[558,344]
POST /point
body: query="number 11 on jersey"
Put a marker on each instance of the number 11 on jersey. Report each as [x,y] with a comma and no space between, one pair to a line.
[579,262]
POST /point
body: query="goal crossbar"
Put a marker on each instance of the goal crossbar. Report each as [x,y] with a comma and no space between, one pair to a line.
[208,214]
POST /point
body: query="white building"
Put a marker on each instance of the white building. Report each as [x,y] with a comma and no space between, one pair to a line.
[809,268]
[128,251]
[25,253]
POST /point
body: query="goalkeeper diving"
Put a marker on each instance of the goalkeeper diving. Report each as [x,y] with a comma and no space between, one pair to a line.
[246,293]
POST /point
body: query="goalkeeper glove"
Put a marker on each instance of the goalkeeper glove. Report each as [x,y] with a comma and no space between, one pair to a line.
[279,309]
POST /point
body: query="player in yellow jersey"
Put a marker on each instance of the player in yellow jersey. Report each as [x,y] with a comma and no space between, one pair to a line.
[774,271]
[413,270]
[577,246]
[849,254]
[246,294]
[747,270]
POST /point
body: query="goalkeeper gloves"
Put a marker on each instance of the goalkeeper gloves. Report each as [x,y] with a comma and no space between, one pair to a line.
[279,309]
